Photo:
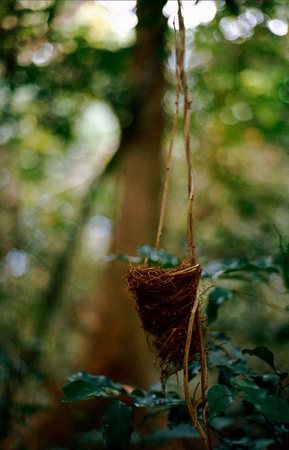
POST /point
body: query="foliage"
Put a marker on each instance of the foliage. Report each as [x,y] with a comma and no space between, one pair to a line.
[153,256]
[247,408]
[262,408]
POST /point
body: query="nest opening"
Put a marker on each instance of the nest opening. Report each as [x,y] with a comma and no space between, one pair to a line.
[164,300]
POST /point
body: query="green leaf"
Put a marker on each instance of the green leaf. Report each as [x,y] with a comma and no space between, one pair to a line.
[263,353]
[142,398]
[216,298]
[82,386]
[155,399]
[117,426]
[267,381]
[267,356]
[274,408]
[239,268]
[252,392]
[254,395]
[243,383]
[158,257]
[220,398]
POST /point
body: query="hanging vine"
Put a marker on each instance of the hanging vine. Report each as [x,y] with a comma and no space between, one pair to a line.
[167,300]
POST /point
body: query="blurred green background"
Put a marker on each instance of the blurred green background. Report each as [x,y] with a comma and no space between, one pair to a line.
[68,105]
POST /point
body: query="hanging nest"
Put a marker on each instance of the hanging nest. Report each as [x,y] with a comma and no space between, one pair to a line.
[164,301]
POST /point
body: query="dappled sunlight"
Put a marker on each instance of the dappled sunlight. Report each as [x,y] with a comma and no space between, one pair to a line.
[195,13]
[278,27]
[43,55]
[16,262]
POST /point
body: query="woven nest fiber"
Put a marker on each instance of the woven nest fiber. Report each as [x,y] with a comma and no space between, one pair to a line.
[164,300]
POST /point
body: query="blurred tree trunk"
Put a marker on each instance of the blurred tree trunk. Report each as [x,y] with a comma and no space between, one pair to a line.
[116,344]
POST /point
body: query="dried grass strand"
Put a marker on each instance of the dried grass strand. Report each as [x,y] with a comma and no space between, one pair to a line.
[195,313]
[181,48]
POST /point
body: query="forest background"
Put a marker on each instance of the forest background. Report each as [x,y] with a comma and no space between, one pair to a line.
[87,99]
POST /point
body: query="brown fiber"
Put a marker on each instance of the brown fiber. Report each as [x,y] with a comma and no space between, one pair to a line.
[164,301]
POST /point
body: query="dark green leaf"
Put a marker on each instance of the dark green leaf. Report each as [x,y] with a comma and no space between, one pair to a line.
[158,257]
[266,355]
[216,298]
[243,383]
[194,369]
[155,399]
[229,357]
[274,408]
[142,399]
[82,386]
[254,395]
[117,426]
[263,353]
[217,358]
[220,398]
[252,392]
[239,268]
[267,381]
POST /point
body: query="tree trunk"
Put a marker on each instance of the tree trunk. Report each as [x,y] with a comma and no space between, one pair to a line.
[116,344]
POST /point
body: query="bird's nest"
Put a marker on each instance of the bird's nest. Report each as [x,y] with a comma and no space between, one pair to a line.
[164,300]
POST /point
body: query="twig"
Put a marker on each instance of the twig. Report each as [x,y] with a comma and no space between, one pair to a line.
[191,408]
[195,312]
[204,378]
[170,151]
[187,141]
